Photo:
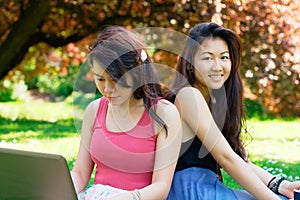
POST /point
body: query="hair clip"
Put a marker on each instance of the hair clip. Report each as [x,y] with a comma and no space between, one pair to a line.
[143,55]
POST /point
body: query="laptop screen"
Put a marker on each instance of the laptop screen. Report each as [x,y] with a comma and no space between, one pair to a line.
[34,176]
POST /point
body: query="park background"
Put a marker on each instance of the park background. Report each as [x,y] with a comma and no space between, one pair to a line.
[45,82]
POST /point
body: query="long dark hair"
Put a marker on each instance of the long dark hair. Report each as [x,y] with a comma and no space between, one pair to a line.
[231,103]
[121,53]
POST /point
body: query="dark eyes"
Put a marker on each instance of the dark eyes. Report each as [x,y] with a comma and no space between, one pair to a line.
[207,58]
[103,79]
[211,58]
[100,79]
[225,57]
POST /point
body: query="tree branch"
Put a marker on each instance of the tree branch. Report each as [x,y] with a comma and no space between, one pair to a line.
[13,49]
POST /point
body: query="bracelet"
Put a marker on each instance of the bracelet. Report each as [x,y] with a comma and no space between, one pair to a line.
[274,184]
[136,195]
[133,196]
[271,181]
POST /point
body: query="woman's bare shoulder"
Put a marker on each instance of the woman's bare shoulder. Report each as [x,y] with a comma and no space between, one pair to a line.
[188,91]
[92,107]
[166,110]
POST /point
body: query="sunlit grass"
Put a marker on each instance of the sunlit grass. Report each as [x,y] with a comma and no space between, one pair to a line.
[46,111]
[39,126]
[274,146]
[275,139]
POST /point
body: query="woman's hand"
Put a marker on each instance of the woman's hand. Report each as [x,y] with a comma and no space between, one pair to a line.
[286,188]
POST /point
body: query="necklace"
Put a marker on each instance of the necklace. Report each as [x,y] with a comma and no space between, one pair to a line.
[117,112]
[126,109]
[123,118]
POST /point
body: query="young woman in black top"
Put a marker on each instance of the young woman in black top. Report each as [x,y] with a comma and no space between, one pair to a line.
[208,93]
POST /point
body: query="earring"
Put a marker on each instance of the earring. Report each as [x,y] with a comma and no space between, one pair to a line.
[190,71]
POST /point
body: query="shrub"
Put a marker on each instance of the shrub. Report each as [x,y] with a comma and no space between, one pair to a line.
[13,88]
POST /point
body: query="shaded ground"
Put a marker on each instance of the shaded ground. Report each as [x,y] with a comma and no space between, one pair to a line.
[35,95]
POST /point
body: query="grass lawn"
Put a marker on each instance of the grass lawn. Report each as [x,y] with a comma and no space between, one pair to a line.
[274,145]
[40,126]
[54,128]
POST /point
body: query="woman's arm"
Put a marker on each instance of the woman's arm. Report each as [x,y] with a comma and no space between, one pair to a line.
[83,167]
[195,112]
[167,151]
[286,188]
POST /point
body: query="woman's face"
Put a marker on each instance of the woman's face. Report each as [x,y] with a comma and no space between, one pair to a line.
[114,92]
[212,63]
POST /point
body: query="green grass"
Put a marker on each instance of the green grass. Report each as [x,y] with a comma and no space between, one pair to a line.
[39,126]
[54,128]
[273,145]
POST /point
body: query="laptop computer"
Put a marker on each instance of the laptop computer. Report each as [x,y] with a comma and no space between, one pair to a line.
[34,176]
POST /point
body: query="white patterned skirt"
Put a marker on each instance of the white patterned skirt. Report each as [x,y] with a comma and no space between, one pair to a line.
[99,192]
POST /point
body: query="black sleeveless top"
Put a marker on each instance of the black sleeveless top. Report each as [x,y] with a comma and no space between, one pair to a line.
[194,154]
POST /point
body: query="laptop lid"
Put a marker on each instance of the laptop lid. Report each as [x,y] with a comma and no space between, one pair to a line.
[34,176]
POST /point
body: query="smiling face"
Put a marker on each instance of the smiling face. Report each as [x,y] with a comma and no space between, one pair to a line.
[212,63]
[108,87]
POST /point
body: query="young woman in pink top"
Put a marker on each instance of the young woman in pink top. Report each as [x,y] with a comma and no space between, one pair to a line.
[130,135]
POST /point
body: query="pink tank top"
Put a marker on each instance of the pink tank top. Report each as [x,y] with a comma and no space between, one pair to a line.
[123,159]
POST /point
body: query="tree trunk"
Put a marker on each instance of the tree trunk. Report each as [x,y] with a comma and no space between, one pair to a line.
[24,34]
